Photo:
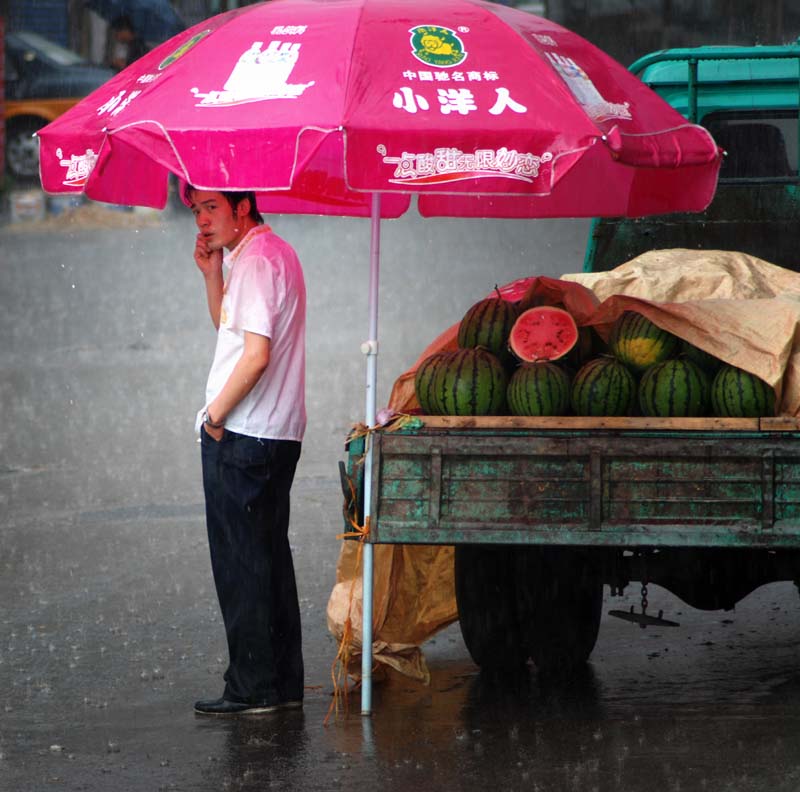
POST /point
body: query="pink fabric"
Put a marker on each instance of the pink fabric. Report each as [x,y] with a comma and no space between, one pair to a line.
[317,104]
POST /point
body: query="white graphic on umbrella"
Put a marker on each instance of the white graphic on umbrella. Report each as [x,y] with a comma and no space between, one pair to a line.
[258,75]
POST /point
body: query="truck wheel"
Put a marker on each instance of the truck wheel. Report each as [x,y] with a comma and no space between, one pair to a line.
[559,599]
[22,149]
[486,598]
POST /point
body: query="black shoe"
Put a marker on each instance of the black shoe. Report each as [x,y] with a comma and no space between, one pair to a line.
[224,707]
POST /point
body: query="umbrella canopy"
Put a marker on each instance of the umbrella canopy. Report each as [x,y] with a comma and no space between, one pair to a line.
[477,108]
[153,20]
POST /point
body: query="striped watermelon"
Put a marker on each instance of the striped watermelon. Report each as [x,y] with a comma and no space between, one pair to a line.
[424,383]
[471,382]
[538,389]
[639,343]
[487,324]
[736,393]
[676,388]
[603,386]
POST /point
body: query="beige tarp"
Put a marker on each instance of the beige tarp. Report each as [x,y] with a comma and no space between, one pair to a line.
[741,309]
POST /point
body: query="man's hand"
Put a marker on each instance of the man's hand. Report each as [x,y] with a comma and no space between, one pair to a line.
[214,434]
[208,261]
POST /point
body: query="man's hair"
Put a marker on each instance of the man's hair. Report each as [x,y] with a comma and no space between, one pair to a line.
[122,22]
[234,198]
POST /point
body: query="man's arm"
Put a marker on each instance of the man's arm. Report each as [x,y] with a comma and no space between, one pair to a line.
[247,371]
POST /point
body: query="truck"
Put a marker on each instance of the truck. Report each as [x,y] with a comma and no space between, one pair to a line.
[545,512]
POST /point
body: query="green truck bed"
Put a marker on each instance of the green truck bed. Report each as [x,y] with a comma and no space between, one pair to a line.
[626,482]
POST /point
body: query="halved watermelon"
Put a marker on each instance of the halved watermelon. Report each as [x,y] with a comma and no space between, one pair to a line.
[543,333]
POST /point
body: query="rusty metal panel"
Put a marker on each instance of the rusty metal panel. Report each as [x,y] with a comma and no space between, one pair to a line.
[666,535]
[587,487]
[523,489]
[787,489]
[692,491]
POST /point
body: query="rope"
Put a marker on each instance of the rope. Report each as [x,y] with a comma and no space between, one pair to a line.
[341,663]
[397,421]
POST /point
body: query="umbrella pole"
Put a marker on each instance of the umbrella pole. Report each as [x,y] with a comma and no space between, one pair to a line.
[370,348]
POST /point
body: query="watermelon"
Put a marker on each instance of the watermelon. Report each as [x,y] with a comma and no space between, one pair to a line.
[471,382]
[487,324]
[736,393]
[603,386]
[588,345]
[534,297]
[676,387]
[424,383]
[705,360]
[538,389]
[543,333]
[639,344]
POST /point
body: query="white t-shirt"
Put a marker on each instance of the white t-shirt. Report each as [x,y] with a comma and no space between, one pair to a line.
[265,293]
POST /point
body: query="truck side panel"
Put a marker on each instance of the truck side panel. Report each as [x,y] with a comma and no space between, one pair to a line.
[588,487]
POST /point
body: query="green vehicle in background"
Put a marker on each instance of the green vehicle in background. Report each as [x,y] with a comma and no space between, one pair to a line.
[543,517]
[748,98]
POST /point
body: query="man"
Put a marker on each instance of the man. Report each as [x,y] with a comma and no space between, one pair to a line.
[251,429]
[124,46]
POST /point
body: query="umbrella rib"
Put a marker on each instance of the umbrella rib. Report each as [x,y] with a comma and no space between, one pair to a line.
[356,28]
[661,131]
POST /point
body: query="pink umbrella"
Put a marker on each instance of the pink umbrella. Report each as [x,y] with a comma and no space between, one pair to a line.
[351,107]
[480,109]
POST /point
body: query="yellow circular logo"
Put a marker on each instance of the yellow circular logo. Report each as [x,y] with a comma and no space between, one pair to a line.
[437,46]
[183,49]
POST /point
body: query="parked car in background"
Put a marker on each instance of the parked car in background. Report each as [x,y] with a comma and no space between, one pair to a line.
[42,80]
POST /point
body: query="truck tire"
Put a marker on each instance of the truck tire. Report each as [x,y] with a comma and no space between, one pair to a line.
[560,600]
[22,149]
[486,598]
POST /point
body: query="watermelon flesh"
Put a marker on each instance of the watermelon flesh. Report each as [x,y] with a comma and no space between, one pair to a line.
[543,333]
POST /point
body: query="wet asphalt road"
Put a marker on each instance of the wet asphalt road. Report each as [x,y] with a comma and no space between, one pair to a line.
[109,628]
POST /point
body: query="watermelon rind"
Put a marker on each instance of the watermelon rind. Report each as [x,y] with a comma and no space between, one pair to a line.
[471,382]
[676,388]
[538,389]
[424,383]
[736,393]
[603,386]
[487,324]
[639,343]
[543,333]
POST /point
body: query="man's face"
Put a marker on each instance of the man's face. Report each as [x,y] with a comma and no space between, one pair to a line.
[219,225]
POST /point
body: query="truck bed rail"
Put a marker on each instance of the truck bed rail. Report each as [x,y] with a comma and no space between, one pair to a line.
[624,482]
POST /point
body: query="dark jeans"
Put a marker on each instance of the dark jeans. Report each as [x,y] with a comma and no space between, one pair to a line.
[247,482]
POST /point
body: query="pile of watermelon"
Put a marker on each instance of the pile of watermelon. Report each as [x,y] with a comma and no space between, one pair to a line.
[517,359]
